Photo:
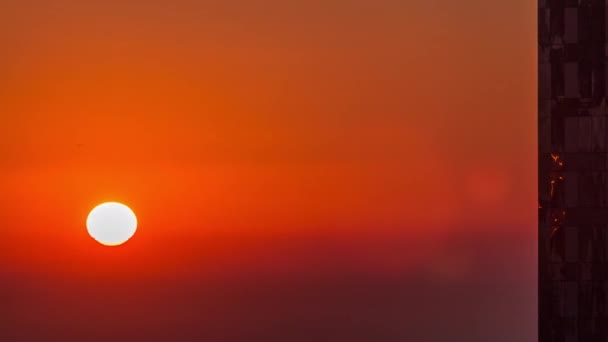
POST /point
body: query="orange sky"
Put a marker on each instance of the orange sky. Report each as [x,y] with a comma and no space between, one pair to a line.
[297,116]
[369,119]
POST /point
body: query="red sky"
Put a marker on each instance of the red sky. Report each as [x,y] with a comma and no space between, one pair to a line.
[372,144]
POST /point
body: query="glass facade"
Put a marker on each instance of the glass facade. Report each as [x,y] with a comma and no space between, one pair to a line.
[573,170]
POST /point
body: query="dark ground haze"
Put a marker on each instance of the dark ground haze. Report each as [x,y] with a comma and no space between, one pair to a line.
[487,294]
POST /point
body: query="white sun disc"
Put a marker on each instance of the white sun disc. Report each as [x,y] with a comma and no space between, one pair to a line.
[111,223]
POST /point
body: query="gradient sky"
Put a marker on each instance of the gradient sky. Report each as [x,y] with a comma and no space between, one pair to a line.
[311,170]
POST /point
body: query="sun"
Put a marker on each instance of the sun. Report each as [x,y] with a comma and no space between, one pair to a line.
[111,223]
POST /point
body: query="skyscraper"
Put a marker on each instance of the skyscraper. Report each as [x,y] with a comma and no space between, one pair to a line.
[573,170]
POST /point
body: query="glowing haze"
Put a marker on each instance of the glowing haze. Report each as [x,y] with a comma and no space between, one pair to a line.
[344,146]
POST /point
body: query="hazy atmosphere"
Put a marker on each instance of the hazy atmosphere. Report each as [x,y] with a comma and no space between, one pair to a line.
[300,170]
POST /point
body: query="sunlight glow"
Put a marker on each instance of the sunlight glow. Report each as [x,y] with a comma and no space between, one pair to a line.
[111,223]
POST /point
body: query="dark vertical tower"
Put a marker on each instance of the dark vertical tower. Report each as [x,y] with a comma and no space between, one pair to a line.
[573,171]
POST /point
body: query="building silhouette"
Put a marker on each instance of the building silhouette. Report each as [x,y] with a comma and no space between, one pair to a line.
[573,170]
